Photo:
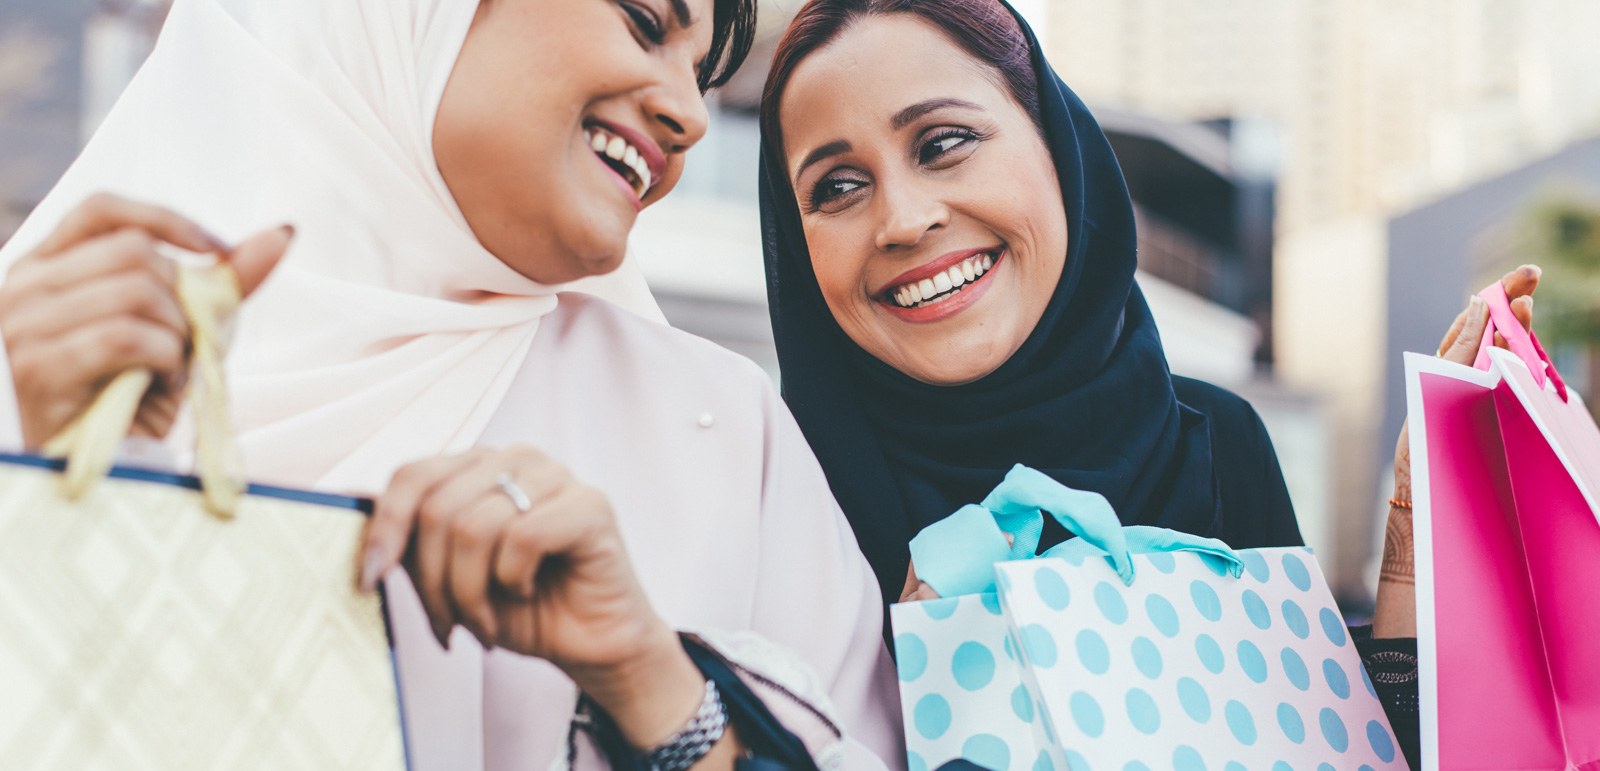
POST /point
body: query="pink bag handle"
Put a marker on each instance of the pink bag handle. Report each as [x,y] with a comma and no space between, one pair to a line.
[1522,342]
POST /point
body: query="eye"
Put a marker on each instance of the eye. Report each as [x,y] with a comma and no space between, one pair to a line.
[648,23]
[942,144]
[834,193]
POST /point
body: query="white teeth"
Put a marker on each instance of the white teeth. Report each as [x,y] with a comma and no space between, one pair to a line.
[928,291]
[618,149]
[968,271]
[925,286]
[988,262]
[957,278]
[941,283]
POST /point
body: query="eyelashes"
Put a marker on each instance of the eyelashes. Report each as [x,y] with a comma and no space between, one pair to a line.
[649,26]
[940,149]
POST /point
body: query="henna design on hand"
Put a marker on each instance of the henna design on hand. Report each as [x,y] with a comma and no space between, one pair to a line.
[1398,565]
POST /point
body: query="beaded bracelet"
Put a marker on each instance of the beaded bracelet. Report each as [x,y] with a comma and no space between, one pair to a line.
[1399,504]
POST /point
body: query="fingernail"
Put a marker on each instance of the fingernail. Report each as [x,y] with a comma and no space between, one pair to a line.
[443,636]
[217,244]
[1477,305]
[287,229]
[371,567]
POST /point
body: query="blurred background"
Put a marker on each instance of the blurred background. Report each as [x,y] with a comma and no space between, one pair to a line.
[1320,185]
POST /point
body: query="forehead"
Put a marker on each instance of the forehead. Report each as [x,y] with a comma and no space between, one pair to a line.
[700,13]
[877,67]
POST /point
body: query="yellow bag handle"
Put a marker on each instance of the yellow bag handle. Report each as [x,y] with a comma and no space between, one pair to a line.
[208,295]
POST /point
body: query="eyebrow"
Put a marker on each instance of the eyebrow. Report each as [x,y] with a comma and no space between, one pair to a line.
[680,9]
[905,117]
[823,153]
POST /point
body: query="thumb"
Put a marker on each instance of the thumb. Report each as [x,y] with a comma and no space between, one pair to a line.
[256,256]
[1465,348]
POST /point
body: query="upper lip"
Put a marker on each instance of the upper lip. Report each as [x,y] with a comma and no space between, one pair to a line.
[934,267]
[647,147]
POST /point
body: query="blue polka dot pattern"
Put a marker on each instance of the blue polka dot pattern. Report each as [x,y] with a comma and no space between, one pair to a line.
[1256,610]
[1295,668]
[1134,765]
[912,656]
[1092,652]
[1378,737]
[1003,581]
[991,602]
[1039,646]
[1326,767]
[1234,765]
[1337,682]
[1252,662]
[1162,614]
[1022,704]
[1363,767]
[1296,570]
[1332,626]
[1011,647]
[1185,758]
[1255,565]
[932,716]
[1296,619]
[987,750]
[1282,766]
[1194,700]
[1076,762]
[1146,657]
[1205,600]
[1210,653]
[1111,604]
[914,762]
[1289,720]
[1043,763]
[1052,589]
[1163,562]
[1086,713]
[1142,711]
[972,666]
[1240,723]
[1333,730]
[941,609]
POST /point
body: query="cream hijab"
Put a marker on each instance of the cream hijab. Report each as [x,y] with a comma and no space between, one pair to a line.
[387,334]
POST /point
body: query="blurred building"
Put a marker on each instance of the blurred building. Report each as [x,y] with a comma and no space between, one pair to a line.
[1382,105]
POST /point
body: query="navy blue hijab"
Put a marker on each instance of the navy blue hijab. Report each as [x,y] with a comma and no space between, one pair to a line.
[1087,399]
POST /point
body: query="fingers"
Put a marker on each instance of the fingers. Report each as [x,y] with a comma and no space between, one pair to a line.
[1464,349]
[563,524]
[1455,329]
[256,256]
[135,294]
[103,213]
[1522,281]
[517,558]
[394,515]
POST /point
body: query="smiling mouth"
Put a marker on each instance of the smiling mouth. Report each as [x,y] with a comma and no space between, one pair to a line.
[622,157]
[943,285]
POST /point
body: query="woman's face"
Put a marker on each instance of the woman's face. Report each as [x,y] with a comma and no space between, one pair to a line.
[563,118]
[913,166]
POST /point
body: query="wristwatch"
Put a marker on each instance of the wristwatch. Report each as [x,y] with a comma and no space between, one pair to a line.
[688,746]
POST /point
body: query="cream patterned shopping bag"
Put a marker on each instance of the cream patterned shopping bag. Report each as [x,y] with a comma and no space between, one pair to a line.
[147,623]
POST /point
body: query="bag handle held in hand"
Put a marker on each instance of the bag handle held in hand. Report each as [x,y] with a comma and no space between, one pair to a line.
[208,295]
[1523,343]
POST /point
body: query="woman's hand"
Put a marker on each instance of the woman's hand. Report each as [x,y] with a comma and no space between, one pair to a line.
[95,299]
[1396,611]
[551,581]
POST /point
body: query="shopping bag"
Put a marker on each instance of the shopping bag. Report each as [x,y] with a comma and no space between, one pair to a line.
[157,621]
[1145,648]
[1505,467]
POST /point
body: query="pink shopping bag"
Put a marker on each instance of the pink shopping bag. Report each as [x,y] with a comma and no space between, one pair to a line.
[1505,471]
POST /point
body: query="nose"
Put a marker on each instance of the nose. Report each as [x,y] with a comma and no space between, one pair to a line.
[907,215]
[678,107]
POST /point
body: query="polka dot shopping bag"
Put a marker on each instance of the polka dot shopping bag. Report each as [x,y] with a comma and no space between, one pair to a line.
[1188,656]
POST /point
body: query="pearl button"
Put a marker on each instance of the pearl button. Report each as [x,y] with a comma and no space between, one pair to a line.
[706,420]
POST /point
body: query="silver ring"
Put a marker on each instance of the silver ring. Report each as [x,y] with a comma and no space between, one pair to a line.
[509,486]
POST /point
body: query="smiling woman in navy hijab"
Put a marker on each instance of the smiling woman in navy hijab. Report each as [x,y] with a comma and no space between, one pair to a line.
[950,255]
[1044,353]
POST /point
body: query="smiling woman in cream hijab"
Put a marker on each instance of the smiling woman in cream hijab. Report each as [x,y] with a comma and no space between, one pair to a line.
[449,169]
